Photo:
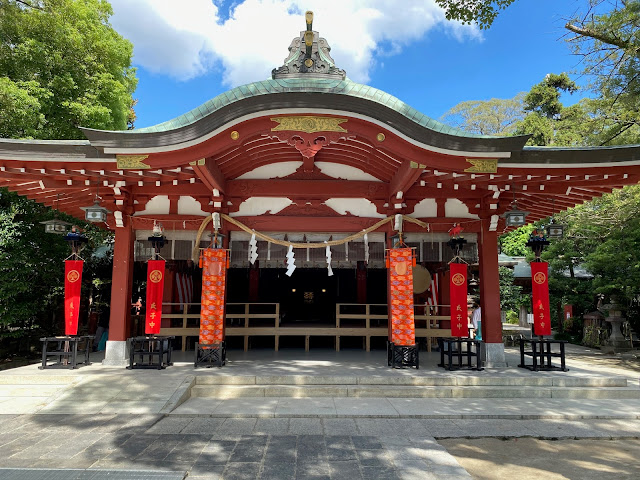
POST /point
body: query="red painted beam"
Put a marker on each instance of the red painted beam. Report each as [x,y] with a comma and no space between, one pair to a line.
[190,189]
[307,188]
[210,174]
[404,178]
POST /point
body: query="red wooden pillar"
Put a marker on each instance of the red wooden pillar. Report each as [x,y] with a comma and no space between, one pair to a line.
[121,283]
[490,295]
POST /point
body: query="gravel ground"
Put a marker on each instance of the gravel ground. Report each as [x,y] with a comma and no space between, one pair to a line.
[534,459]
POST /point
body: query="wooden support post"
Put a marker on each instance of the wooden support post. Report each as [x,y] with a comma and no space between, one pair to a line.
[122,280]
[490,295]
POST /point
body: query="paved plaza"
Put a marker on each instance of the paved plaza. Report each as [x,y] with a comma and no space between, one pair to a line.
[106,422]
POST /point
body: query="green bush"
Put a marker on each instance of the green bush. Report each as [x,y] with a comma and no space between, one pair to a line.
[562,336]
[512,317]
[573,326]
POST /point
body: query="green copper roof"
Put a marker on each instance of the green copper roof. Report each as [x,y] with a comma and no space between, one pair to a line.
[309,85]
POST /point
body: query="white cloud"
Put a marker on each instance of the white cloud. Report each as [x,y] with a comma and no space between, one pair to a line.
[186,38]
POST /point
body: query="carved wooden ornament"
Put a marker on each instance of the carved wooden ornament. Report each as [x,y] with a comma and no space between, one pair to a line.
[309,124]
[482,165]
[135,162]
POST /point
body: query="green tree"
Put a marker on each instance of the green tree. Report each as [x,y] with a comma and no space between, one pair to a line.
[602,235]
[514,243]
[511,296]
[62,66]
[481,12]
[548,121]
[604,33]
[32,268]
[487,117]
[606,36]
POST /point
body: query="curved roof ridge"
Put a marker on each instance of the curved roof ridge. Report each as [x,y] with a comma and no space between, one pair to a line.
[311,85]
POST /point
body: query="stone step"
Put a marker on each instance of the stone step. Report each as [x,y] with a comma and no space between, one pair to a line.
[426,381]
[401,391]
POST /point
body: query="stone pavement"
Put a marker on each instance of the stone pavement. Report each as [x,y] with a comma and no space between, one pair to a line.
[261,448]
[276,449]
[103,422]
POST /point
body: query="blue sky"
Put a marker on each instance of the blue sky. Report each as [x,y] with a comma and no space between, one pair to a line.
[186,56]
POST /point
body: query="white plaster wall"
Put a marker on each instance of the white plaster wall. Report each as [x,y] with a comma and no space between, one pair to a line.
[158,205]
[426,208]
[346,172]
[455,208]
[274,170]
[190,206]
[260,205]
[360,207]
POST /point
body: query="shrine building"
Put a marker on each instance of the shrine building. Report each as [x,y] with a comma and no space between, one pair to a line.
[307,156]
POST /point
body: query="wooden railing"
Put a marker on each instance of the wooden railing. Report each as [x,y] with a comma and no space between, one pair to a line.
[263,320]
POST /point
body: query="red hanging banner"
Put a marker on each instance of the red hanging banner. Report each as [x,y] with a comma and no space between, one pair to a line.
[155,290]
[403,331]
[540,294]
[458,299]
[72,287]
[214,282]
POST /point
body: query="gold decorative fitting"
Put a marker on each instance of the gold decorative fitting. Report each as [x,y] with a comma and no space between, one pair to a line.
[200,162]
[380,137]
[309,124]
[134,162]
[482,165]
[308,39]
[413,164]
[309,17]
[235,135]
[308,63]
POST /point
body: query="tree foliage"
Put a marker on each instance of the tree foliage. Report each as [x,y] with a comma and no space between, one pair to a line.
[607,36]
[548,121]
[32,268]
[514,243]
[604,236]
[491,117]
[62,66]
[481,12]
[510,294]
